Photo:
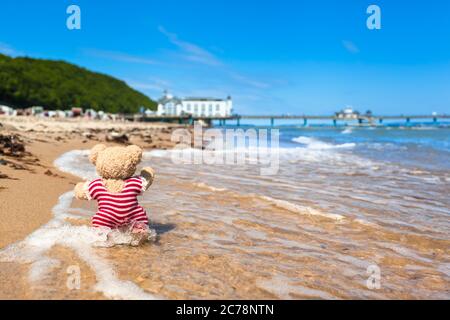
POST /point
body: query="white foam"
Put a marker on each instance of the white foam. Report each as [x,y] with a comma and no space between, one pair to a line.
[320,145]
[81,239]
[424,128]
[366,223]
[347,131]
[384,146]
[70,162]
[42,268]
[58,231]
[315,152]
[157,153]
[208,187]
[301,209]
[282,288]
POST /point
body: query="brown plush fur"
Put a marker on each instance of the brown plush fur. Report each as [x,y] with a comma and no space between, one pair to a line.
[116,162]
[80,192]
[114,165]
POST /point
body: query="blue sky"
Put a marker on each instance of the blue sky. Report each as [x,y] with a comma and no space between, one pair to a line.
[311,57]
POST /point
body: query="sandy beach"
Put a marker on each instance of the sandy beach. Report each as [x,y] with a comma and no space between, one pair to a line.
[30,184]
[152,150]
[225,232]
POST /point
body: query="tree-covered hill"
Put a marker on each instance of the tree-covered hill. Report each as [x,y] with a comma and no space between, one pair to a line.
[26,82]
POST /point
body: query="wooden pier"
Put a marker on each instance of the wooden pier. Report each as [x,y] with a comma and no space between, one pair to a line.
[361,120]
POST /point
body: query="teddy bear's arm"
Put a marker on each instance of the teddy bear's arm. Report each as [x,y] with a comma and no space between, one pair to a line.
[149,175]
[80,191]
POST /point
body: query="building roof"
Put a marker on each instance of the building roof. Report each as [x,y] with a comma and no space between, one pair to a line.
[201,99]
[166,99]
[169,98]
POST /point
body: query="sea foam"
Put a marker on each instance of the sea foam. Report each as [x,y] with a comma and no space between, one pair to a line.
[347,131]
[34,249]
[82,239]
[320,145]
[70,162]
[296,208]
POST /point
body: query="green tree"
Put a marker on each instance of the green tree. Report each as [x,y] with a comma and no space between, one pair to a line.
[25,82]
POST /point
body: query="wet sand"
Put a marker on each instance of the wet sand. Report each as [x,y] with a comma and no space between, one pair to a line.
[30,184]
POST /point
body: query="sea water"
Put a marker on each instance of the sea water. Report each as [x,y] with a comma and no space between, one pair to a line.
[344,202]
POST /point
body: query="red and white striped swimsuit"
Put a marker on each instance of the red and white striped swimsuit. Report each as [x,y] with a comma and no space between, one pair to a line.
[117,209]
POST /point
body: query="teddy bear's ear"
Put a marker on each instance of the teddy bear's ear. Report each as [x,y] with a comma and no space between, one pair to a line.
[95,151]
[135,153]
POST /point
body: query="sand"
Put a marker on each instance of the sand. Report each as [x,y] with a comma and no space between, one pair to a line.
[30,184]
[215,243]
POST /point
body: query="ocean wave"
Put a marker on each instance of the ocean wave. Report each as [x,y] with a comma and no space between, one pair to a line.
[285,156]
[34,249]
[281,287]
[286,205]
[82,239]
[424,128]
[208,187]
[347,131]
[320,145]
[384,146]
[295,208]
[283,204]
[70,163]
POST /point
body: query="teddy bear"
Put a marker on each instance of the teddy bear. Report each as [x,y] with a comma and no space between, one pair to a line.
[117,188]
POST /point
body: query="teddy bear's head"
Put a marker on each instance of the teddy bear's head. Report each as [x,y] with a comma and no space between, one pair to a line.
[117,163]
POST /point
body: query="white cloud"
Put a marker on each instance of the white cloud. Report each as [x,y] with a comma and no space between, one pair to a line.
[8,50]
[153,85]
[350,46]
[144,85]
[190,70]
[249,81]
[161,82]
[191,51]
[119,56]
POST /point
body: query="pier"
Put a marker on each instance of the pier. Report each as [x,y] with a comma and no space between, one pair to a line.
[360,120]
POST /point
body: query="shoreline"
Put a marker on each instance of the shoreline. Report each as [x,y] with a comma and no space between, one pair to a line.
[29,194]
[31,187]
[218,238]
[30,183]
